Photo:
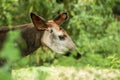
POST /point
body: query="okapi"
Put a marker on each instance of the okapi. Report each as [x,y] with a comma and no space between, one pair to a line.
[41,32]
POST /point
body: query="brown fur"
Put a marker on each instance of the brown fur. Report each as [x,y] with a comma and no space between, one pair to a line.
[41,32]
[29,33]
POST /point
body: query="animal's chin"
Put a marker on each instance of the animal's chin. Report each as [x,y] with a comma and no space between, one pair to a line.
[58,51]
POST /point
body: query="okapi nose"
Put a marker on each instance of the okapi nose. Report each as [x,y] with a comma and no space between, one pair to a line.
[67,53]
[77,56]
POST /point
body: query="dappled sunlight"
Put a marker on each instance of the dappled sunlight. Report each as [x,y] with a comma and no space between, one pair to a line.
[65,73]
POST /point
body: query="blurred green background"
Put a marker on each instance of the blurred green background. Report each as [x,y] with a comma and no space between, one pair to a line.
[94,26]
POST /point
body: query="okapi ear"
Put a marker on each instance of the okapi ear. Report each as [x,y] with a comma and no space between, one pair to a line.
[60,18]
[38,21]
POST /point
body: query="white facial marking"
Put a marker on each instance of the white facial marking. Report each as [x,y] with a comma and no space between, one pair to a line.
[51,39]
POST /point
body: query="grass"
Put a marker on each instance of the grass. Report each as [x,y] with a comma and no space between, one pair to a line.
[65,73]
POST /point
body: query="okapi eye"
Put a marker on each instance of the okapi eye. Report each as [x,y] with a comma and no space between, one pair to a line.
[61,37]
[51,31]
[60,28]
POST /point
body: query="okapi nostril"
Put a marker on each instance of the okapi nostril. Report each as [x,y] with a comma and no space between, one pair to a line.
[78,56]
[67,54]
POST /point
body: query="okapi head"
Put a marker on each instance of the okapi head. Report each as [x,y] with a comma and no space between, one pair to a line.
[54,36]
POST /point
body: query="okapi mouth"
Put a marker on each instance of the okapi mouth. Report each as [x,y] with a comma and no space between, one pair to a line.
[77,56]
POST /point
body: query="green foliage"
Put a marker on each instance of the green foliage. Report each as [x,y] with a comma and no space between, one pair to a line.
[96,31]
[4,75]
[42,75]
[114,61]
[91,25]
[10,47]
[10,52]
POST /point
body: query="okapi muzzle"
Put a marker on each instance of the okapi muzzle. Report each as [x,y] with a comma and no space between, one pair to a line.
[42,32]
[54,36]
